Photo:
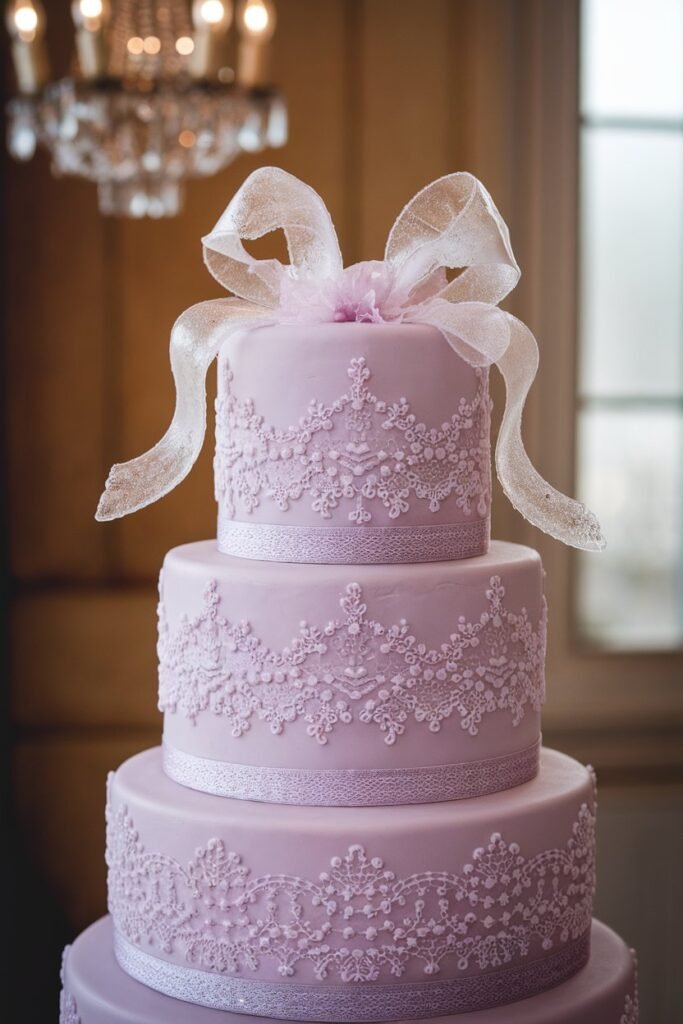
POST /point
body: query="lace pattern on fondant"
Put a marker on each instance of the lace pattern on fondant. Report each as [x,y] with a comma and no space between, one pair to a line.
[338,1003]
[353,668]
[347,545]
[354,453]
[352,787]
[631,1014]
[68,1011]
[357,922]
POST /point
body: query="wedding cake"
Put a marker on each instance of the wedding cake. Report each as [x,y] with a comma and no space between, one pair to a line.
[351,817]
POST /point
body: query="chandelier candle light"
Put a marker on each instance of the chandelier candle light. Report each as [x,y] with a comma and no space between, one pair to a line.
[26,26]
[90,18]
[154,100]
[256,24]
[211,19]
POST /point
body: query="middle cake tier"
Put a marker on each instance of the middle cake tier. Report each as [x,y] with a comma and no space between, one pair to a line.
[351,685]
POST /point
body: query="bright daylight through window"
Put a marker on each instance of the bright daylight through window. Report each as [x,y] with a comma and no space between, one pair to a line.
[630,400]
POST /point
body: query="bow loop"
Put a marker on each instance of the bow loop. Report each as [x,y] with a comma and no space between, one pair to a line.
[454,223]
[271,200]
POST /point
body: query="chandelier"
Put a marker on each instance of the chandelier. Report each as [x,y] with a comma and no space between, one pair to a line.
[153,98]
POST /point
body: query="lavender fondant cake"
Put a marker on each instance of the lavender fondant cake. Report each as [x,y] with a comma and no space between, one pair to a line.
[351,817]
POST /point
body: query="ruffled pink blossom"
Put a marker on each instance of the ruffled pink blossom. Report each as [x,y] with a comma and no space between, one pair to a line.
[363,293]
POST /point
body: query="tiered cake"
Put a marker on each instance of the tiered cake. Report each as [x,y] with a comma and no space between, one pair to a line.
[350,817]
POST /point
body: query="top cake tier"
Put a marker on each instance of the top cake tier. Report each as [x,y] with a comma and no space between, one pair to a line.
[353,424]
[351,443]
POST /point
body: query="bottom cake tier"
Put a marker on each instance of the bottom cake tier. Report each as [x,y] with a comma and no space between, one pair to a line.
[351,913]
[96,991]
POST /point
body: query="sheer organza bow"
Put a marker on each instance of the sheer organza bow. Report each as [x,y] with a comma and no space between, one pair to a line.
[451,224]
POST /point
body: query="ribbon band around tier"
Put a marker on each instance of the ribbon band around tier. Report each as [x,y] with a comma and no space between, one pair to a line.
[352,787]
[353,545]
[372,1001]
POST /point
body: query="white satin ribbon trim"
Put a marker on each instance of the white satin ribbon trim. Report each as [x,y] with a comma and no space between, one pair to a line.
[365,1001]
[352,787]
[452,223]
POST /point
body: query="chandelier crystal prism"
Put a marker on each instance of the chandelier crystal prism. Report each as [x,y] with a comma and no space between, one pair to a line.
[153,100]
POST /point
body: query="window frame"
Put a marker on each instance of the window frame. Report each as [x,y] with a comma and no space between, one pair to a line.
[633,701]
[595,126]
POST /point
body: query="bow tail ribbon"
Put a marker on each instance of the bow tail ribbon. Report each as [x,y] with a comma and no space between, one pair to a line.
[556,514]
[269,200]
[453,223]
[196,339]
[483,334]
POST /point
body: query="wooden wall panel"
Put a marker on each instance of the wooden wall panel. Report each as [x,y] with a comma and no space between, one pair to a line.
[485,113]
[94,664]
[54,319]
[60,787]
[406,97]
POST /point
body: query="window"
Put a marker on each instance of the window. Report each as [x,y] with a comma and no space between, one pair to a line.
[630,381]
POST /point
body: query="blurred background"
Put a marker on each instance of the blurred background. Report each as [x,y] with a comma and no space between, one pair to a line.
[572,115]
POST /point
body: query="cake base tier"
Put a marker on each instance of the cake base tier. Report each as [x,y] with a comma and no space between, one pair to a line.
[365,913]
[97,991]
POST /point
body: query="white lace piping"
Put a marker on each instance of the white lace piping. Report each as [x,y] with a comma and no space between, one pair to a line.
[353,457]
[631,1014]
[68,1011]
[353,669]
